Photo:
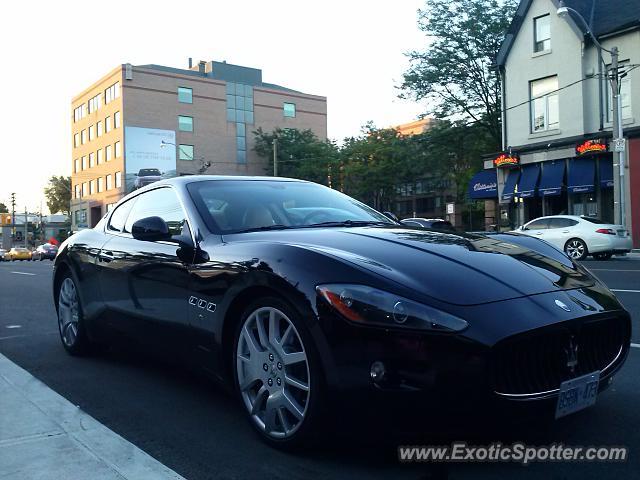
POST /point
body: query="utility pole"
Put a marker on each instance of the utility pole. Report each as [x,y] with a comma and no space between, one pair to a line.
[13,218]
[618,167]
[275,156]
[26,227]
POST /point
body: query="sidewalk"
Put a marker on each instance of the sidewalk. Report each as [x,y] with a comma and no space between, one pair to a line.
[44,436]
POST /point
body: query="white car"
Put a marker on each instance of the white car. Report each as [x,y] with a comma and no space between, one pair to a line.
[3,253]
[580,236]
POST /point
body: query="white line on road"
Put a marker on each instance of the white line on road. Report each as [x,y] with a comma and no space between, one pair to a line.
[628,291]
[635,345]
[612,270]
[23,273]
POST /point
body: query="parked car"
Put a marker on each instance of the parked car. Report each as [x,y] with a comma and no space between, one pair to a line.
[304,301]
[580,236]
[19,253]
[45,251]
[3,255]
[145,176]
[433,223]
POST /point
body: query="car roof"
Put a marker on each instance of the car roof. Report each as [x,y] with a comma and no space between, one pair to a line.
[572,217]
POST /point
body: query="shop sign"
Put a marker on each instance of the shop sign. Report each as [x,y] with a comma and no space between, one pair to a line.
[591,147]
[506,160]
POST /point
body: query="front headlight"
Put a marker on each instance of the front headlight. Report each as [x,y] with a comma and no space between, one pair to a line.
[367,305]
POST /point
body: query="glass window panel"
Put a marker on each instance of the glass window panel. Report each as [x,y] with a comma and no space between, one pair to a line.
[241,143]
[107,152]
[185,124]
[231,115]
[239,89]
[116,120]
[248,91]
[231,101]
[118,149]
[92,160]
[231,88]
[99,128]
[289,109]
[248,104]
[543,86]
[239,103]
[118,179]
[552,105]
[162,203]
[185,152]
[239,116]
[185,95]
[100,156]
[109,180]
[240,130]
[248,117]
[242,156]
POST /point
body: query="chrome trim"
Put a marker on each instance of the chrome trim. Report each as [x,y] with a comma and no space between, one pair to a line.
[551,393]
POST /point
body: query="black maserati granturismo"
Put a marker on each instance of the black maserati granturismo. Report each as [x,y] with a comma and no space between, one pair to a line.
[291,292]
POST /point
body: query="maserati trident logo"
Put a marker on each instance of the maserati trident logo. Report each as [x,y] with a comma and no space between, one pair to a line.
[572,354]
[563,306]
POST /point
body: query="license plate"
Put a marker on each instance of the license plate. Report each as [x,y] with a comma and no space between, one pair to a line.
[622,233]
[577,393]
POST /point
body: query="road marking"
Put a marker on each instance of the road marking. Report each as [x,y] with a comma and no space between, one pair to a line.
[612,270]
[23,273]
[628,291]
[635,345]
[13,326]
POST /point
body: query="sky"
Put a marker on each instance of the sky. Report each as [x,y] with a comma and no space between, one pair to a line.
[351,51]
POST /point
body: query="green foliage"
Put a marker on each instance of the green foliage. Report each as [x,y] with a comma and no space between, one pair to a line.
[301,154]
[3,208]
[456,72]
[58,193]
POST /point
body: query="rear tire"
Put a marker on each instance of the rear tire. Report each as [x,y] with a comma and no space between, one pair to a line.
[71,324]
[277,374]
[576,249]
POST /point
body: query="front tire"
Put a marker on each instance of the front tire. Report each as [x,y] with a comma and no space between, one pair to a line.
[576,249]
[277,374]
[70,319]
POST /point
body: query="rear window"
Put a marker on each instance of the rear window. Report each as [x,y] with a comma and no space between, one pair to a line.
[597,221]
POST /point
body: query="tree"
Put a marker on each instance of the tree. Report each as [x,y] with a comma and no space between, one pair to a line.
[456,72]
[3,208]
[301,154]
[58,193]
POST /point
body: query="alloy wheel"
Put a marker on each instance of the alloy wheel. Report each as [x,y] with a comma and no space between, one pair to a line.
[575,249]
[273,372]
[68,312]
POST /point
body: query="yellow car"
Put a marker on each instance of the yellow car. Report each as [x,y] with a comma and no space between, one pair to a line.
[19,253]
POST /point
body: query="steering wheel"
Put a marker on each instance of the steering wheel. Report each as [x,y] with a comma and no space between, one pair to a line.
[315,213]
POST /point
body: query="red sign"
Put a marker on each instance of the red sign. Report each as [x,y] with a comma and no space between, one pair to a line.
[590,147]
[505,160]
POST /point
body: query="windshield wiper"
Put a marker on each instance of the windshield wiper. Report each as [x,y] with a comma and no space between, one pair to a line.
[346,223]
[264,228]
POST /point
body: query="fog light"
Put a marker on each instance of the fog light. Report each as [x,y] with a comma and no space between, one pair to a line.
[400,313]
[377,371]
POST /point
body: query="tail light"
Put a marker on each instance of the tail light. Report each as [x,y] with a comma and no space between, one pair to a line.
[606,231]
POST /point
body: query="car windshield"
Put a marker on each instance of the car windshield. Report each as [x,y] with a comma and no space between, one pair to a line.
[148,172]
[239,205]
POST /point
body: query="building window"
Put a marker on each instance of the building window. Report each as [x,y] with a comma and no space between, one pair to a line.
[95,103]
[118,150]
[79,113]
[100,157]
[84,162]
[107,124]
[116,120]
[112,93]
[109,179]
[107,153]
[544,104]
[84,189]
[110,206]
[92,160]
[76,140]
[542,33]
[92,187]
[92,133]
[118,179]
[100,184]
[76,189]
[76,165]
[99,128]
[185,95]
[625,98]
[289,109]
[239,103]
[185,152]
[83,137]
[185,124]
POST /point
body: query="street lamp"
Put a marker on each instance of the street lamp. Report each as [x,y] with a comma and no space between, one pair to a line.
[619,184]
[204,166]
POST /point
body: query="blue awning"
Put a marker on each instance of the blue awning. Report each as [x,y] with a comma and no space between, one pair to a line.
[582,174]
[483,185]
[552,178]
[529,180]
[510,184]
[606,172]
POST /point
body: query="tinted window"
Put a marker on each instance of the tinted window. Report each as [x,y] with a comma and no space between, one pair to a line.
[561,222]
[597,221]
[163,203]
[411,224]
[538,224]
[119,216]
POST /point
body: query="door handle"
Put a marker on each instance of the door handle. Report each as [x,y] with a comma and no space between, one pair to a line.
[106,256]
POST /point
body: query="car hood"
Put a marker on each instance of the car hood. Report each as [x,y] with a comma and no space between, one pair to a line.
[460,269]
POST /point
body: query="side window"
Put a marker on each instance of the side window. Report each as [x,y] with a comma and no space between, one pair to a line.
[163,203]
[561,223]
[538,224]
[117,220]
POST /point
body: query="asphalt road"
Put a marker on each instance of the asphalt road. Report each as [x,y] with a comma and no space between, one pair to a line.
[194,427]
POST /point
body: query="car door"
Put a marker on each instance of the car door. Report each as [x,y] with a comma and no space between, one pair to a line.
[560,230]
[536,228]
[146,284]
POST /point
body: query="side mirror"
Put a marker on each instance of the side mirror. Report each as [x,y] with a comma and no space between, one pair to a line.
[150,229]
[392,216]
